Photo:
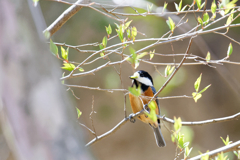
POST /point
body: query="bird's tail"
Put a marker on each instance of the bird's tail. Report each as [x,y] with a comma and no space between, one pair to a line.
[159,137]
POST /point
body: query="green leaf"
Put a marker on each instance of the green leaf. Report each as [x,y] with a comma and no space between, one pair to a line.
[187,152]
[208,57]
[229,6]
[81,69]
[142,55]
[79,113]
[135,91]
[226,142]
[133,53]
[170,24]
[149,8]
[202,5]
[184,8]
[101,46]
[230,50]
[134,33]
[169,70]
[47,34]
[64,53]
[177,123]
[152,105]
[117,25]
[173,137]
[53,48]
[180,6]
[199,2]
[180,139]
[196,96]
[205,157]
[152,54]
[176,6]
[213,7]
[205,18]
[204,89]
[104,41]
[185,144]
[109,29]
[152,115]
[68,66]
[221,156]
[136,64]
[120,34]
[63,76]
[200,21]
[230,19]
[127,24]
[197,83]
[102,54]
[164,6]
[128,33]
[133,58]
[237,153]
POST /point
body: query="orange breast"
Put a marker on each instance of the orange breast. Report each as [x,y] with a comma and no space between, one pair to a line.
[137,105]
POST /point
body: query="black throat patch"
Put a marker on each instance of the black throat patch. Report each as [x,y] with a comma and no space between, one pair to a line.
[143,86]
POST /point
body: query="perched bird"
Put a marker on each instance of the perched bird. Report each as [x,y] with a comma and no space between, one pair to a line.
[144,80]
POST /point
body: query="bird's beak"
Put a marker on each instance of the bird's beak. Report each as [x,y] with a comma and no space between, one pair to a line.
[134,76]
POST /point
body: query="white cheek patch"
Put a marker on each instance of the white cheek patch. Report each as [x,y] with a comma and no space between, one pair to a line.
[145,81]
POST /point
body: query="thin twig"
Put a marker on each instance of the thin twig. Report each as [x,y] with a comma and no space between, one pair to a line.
[87,128]
[73,93]
[175,70]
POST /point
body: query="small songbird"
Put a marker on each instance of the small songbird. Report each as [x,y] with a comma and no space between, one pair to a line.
[144,80]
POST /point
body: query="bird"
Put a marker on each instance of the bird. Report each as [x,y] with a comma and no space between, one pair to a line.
[144,80]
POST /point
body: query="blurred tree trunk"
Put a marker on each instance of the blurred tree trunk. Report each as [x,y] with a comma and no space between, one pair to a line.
[38,121]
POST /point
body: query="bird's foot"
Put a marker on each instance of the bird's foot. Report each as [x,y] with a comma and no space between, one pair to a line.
[131,118]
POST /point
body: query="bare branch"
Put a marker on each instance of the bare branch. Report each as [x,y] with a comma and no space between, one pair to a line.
[97,88]
[114,129]
[175,70]
[166,13]
[199,123]
[196,123]
[63,18]
[231,147]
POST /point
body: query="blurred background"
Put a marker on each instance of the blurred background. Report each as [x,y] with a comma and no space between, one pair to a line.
[136,140]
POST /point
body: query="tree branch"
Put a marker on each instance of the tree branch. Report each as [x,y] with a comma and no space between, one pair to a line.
[196,123]
[231,147]
[200,123]
[63,18]
[114,129]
